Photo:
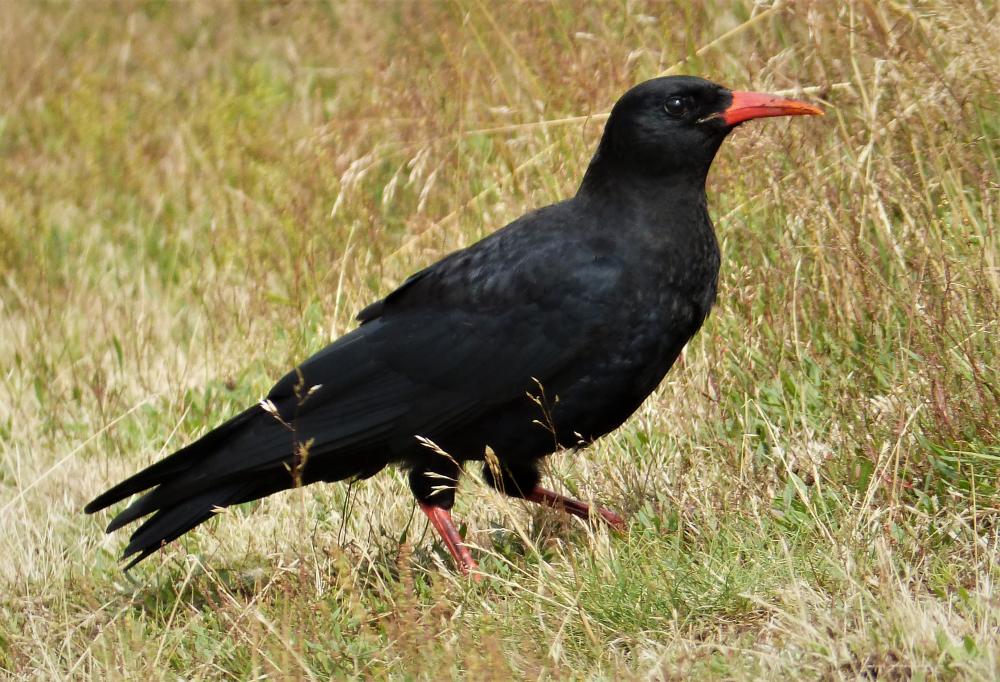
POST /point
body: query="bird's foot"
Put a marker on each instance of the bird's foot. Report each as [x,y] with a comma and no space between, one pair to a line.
[441,520]
[548,498]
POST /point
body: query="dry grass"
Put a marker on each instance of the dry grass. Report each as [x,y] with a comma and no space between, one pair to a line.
[193,197]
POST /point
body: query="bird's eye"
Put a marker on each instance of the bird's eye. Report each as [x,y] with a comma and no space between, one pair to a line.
[676,106]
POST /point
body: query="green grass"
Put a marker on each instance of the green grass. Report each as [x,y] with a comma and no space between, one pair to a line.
[195,197]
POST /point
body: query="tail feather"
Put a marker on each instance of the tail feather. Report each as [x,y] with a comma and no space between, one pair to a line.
[245,459]
[169,467]
[169,524]
[256,450]
[346,425]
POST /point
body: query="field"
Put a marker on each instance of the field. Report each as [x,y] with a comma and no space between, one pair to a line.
[194,197]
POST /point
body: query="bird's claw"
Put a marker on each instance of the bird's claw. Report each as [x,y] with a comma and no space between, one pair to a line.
[546,497]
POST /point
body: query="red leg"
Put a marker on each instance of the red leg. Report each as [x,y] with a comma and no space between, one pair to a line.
[441,519]
[574,507]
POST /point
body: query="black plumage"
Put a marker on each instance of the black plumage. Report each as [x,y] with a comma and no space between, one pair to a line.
[547,334]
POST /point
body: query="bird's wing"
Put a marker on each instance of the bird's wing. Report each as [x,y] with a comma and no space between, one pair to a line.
[478,329]
[475,330]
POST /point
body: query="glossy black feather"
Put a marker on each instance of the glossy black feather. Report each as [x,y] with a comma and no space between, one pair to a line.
[546,334]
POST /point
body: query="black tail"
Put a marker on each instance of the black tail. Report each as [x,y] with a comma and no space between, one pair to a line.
[169,523]
[169,467]
[186,506]
[354,416]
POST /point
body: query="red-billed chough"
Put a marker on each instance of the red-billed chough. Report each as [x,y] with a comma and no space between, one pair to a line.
[547,334]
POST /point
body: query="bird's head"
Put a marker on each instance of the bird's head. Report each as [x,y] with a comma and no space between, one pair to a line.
[674,125]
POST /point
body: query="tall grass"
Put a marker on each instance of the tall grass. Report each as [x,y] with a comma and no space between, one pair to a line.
[194,197]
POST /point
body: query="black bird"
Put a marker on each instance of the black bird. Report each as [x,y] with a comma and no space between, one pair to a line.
[547,334]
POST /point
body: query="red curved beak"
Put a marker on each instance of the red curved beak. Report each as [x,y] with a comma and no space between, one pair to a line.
[748,105]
